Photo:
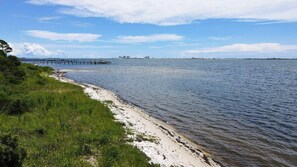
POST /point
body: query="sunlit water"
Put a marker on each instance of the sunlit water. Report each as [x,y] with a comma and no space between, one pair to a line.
[243,112]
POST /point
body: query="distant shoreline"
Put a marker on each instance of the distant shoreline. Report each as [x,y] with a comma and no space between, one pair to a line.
[103,60]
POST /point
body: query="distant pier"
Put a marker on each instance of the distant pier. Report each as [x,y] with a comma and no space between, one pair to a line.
[65,61]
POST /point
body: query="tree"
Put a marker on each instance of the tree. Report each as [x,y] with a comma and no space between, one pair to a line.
[9,65]
[4,48]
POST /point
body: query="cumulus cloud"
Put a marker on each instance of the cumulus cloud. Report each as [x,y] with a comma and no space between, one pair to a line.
[33,50]
[173,12]
[149,38]
[257,48]
[63,36]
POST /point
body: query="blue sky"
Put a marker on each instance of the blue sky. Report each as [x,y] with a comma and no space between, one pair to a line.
[156,28]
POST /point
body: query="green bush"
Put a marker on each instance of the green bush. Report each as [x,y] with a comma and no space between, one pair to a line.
[13,106]
[14,60]
[15,76]
[2,54]
[40,81]
[9,66]
[17,107]
[10,153]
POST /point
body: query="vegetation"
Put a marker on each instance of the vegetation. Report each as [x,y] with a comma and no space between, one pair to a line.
[10,153]
[4,48]
[44,122]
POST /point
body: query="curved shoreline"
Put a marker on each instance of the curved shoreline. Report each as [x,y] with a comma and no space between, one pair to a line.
[158,140]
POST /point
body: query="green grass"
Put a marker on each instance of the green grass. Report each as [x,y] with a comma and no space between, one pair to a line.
[62,126]
[143,137]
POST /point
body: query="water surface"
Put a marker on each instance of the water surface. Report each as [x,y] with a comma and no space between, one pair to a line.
[243,112]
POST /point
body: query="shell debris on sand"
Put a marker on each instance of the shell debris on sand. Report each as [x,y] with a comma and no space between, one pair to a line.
[155,138]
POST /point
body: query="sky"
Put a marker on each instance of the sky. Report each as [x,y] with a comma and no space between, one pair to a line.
[155,28]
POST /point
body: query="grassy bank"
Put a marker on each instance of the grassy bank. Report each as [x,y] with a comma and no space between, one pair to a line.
[56,124]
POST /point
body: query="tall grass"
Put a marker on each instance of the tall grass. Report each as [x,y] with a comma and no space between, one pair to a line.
[62,126]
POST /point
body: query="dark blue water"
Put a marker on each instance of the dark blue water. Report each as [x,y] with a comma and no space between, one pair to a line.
[243,112]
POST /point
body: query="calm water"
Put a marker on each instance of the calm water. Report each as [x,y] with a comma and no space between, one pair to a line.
[243,112]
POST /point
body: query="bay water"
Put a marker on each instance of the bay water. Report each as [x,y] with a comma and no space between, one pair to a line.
[242,112]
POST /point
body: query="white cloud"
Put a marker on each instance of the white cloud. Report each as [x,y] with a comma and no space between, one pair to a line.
[33,50]
[149,38]
[63,36]
[46,19]
[257,48]
[173,12]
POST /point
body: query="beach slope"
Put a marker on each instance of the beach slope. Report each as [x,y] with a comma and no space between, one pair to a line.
[159,141]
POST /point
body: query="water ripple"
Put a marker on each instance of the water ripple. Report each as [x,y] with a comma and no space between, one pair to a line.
[242,112]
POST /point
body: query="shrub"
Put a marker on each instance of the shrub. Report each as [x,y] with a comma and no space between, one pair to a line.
[14,60]
[17,107]
[2,53]
[40,81]
[31,67]
[9,66]
[10,153]
[13,106]
[10,62]
[15,76]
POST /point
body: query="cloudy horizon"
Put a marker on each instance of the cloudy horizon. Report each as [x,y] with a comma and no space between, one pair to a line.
[160,29]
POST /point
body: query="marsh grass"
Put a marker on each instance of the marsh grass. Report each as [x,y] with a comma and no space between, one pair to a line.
[61,125]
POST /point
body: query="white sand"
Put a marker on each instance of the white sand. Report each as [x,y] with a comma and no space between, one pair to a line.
[157,140]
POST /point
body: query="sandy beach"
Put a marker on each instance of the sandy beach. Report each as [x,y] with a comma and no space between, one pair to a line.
[159,141]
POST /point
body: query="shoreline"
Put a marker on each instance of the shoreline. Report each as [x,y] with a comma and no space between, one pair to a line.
[158,140]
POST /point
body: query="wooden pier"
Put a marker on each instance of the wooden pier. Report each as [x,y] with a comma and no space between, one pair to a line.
[65,61]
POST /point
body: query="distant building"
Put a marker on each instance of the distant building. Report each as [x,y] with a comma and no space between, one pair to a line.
[124,57]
